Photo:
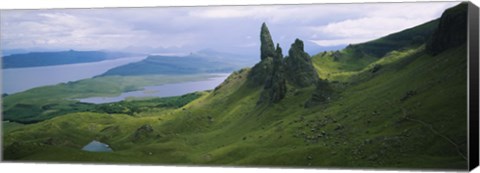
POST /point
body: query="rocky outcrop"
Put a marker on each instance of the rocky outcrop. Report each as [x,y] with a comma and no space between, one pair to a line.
[299,68]
[274,71]
[267,48]
[275,86]
[451,31]
[263,69]
[260,72]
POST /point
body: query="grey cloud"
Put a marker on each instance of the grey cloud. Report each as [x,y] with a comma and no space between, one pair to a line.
[229,28]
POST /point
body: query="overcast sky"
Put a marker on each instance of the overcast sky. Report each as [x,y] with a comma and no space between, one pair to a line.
[223,28]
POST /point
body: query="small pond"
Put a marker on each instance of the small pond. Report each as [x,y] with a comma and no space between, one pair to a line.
[96,146]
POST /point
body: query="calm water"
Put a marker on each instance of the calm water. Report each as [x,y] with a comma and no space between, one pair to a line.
[166,90]
[96,146]
[21,79]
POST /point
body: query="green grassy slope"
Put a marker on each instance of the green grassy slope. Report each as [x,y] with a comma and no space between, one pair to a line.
[340,64]
[405,39]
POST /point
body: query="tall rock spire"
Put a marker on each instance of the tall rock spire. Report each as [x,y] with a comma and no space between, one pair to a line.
[267,48]
[263,69]
[275,86]
[279,85]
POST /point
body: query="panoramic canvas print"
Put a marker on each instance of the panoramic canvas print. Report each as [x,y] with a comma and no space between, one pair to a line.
[369,85]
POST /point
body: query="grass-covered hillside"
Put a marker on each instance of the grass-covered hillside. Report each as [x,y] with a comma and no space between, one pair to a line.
[405,108]
[357,56]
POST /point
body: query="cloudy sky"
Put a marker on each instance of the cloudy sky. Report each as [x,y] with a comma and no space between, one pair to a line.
[223,28]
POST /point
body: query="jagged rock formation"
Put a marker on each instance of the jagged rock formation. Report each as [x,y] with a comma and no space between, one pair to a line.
[274,71]
[451,31]
[299,67]
[269,72]
[275,86]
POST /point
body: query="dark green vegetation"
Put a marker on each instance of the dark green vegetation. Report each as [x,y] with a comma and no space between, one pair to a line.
[206,61]
[403,109]
[35,59]
[135,107]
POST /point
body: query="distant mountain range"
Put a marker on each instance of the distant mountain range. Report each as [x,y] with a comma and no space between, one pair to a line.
[313,48]
[204,61]
[36,59]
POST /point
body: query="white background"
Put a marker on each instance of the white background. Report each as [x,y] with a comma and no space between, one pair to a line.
[74,168]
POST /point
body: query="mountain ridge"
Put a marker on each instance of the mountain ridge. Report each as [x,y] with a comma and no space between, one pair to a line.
[204,61]
[38,59]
